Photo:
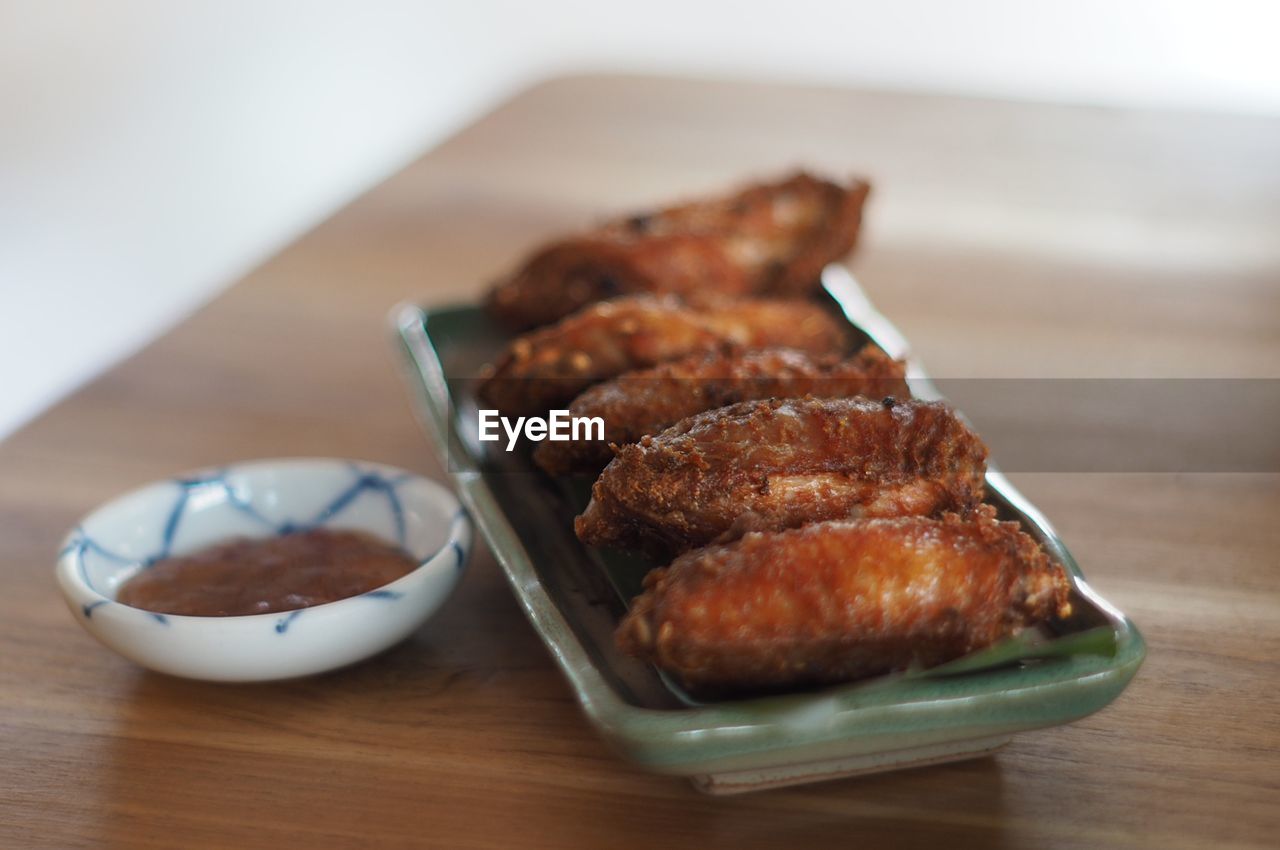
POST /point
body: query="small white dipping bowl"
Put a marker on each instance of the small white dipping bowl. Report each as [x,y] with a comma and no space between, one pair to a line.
[264,499]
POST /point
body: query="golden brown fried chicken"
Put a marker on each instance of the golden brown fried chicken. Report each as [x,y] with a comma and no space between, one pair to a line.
[648,400]
[842,600]
[770,465]
[768,239]
[549,366]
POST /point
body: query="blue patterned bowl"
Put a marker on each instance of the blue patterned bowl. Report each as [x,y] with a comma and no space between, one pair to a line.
[263,499]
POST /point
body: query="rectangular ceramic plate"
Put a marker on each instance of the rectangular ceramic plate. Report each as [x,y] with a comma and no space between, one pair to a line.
[574,597]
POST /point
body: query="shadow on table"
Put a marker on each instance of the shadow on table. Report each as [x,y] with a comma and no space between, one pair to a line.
[239,765]
[956,805]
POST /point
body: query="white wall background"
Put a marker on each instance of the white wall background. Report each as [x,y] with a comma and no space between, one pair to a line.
[152,151]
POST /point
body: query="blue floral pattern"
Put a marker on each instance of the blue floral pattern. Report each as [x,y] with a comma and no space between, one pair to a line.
[83,546]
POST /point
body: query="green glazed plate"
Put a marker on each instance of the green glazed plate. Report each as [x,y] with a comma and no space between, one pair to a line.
[574,597]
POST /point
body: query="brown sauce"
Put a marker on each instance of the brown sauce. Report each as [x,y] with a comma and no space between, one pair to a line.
[246,576]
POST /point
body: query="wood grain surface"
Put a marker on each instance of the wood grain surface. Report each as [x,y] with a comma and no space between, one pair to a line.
[1005,239]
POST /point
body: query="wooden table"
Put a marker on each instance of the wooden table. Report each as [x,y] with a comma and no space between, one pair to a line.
[1005,239]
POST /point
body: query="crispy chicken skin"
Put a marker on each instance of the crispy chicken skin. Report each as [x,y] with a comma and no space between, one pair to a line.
[549,366]
[842,600]
[770,465]
[767,239]
[648,400]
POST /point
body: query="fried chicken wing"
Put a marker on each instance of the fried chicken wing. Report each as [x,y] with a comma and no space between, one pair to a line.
[842,600]
[770,465]
[549,366]
[648,400]
[767,239]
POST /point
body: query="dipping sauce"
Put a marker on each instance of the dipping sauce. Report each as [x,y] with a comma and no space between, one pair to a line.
[250,576]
